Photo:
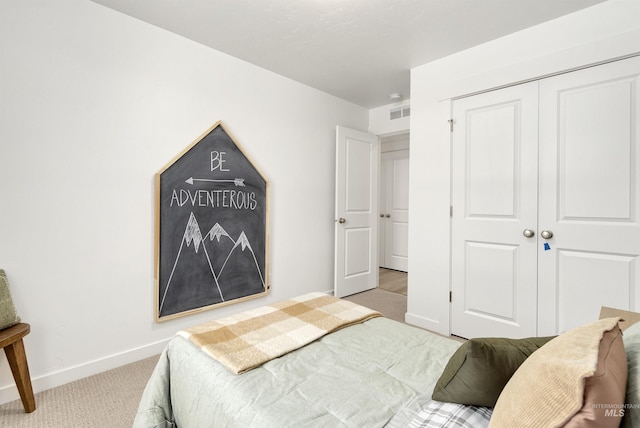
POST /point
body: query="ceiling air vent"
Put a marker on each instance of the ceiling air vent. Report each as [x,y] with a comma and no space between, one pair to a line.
[399,112]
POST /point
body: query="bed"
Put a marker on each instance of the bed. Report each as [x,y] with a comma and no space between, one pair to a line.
[371,372]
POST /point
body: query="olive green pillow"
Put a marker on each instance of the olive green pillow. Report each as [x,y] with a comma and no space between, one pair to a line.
[8,316]
[478,371]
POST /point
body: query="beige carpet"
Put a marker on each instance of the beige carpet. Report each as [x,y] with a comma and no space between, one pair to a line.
[110,399]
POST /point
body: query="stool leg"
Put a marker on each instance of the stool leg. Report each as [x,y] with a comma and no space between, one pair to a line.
[17,358]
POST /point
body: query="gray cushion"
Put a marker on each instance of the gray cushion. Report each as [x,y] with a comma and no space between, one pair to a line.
[8,315]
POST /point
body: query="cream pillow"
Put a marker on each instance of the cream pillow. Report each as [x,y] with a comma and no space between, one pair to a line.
[576,379]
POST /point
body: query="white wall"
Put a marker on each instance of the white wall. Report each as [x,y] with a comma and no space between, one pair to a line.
[93,103]
[607,30]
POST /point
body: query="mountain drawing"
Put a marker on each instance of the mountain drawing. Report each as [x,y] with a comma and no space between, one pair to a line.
[229,268]
[219,244]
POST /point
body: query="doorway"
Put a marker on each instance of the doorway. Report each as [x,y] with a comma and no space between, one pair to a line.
[377,191]
[393,230]
[362,187]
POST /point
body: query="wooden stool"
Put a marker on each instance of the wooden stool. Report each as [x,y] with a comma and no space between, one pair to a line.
[11,341]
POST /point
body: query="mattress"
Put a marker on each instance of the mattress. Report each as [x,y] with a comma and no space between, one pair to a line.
[375,374]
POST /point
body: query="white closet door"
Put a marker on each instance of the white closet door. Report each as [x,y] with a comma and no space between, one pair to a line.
[589,194]
[395,210]
[495,192]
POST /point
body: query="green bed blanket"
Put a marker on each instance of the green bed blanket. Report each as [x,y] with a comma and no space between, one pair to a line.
[361,376]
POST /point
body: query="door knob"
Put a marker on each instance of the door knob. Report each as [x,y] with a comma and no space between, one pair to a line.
[387,215]
[528,233]
[546,234]
[381,215]
[342,220]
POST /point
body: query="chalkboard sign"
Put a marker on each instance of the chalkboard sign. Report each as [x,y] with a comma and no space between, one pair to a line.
[211,227]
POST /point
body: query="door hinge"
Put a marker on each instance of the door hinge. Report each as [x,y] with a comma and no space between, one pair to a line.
[450,210]
[450,296]
[450,124]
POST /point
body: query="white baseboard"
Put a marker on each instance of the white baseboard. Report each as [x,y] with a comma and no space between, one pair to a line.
[54,379]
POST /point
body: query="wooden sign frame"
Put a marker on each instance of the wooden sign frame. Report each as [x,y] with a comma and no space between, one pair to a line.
[212,228]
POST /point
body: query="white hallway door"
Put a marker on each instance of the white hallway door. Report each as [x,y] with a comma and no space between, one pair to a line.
[356,224]
[394,210]
[581,249]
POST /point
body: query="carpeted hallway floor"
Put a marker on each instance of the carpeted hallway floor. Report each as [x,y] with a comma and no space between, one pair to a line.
[390,298]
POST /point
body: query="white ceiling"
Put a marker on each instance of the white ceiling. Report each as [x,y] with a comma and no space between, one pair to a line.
[358,50]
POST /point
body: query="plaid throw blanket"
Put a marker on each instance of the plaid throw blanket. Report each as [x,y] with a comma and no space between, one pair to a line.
[249,339]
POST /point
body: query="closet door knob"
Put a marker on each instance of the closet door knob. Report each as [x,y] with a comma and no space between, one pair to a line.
[546,234]
[528,233]
[342,220]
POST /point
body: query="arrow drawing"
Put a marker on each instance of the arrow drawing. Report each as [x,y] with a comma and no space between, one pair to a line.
[237,181]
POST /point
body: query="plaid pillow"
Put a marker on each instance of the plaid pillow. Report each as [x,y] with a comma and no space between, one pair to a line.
[436,414]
